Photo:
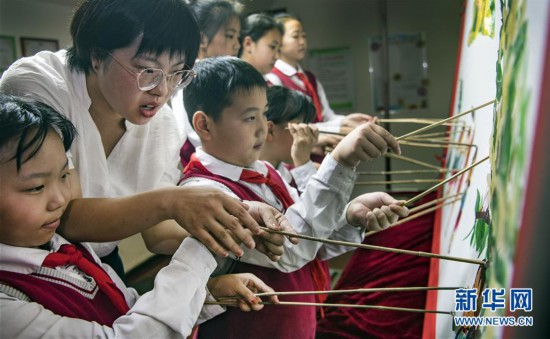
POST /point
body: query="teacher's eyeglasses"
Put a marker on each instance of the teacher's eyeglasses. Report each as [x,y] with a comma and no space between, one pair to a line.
[149,78]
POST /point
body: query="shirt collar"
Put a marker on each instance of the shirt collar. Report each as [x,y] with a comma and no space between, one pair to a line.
[286,68]
[26,260]
[224,169]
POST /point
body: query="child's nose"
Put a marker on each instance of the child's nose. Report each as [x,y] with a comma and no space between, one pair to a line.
[59,198]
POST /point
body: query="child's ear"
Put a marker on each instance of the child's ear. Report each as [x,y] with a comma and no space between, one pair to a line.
[201,124]
[247,44]
[270,126]
[204,43]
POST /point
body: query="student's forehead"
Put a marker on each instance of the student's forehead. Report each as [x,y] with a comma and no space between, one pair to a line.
[247,97]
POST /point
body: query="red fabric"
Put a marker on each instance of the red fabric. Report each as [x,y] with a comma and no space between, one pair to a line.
[280,191]
[186,151]
[370,269]
[311,89]
[313,94]
[70,255]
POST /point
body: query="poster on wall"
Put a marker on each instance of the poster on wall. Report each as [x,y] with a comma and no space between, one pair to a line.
[334,69]
[502,54]
[407,68]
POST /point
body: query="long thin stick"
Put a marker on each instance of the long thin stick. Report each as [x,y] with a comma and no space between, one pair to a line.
[417,162]
[435,145]
[421,195]
[420,130]
[443,142]
[293,303]
[434,202]
[411,181]
[332,133]
[376,248]
[414,216]
[358,290]
[399,172]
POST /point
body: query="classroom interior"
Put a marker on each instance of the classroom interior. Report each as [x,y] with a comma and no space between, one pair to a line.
[347,25]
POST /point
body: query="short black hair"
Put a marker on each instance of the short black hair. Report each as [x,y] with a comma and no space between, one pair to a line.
[213,14]
[29,121]
[101,26]
[286,105]
[283,17]
[217,79]
[256,26]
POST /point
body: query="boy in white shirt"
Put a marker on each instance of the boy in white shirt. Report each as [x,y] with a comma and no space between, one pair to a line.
[227,103]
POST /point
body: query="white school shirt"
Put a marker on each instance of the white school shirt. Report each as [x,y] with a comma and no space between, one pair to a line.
[170,310]
[331,121]
[300,174]
[319,211]
[145,158]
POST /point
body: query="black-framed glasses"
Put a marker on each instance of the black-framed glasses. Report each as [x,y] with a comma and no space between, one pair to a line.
[149,78]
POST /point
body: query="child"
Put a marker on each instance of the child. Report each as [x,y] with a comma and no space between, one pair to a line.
[289,139]
[260,40]
[288,72]
[233,130]
[51,288]
[219,23]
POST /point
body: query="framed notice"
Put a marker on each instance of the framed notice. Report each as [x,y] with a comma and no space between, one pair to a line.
[333,68]
[31,46]
[407,70]
[7,52]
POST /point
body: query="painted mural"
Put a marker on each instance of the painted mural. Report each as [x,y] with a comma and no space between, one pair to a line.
[501,58]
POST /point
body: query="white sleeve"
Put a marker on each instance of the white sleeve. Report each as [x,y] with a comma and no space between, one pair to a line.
[331,121]
[317,213]
[170,310]
[302,174]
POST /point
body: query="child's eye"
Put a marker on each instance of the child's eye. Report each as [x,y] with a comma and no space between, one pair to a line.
[251,118]
[36,189]
[65,176]
[229,36]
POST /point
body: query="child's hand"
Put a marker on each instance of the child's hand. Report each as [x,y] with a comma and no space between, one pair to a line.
[355,119]
[304,138]
[243,285]
[325,141]
[375,211]
[363,143]
[270,244]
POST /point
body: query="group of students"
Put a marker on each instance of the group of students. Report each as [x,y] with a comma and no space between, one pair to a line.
[90,154]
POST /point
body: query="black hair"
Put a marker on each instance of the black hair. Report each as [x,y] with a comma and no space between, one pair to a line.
[29,121]
[281,18]
[213,14]
[256,26]
[217,79]
[101,26]
[287,104]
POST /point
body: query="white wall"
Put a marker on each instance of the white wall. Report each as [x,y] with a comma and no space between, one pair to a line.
[30,18]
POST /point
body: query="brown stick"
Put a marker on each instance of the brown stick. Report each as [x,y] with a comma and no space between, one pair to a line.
[441,122]
[434,144]
[417,162]
[399,172]
[376,248]
[358,290]
[423,194]
[292,303]
[414,216]
[411,181]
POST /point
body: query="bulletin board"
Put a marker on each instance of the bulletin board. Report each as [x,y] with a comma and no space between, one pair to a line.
[502,56]
[407,72]
[333,67]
